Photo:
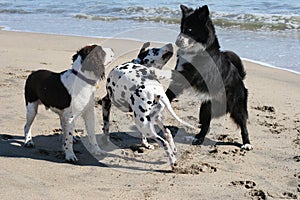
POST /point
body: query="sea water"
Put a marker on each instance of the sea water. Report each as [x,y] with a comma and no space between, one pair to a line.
[261,30]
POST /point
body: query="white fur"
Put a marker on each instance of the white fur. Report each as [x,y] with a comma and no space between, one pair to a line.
[247,147]
[188,44]
[109,55]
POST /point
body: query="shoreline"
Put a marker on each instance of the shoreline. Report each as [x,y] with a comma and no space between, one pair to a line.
[263,64]
[270,66]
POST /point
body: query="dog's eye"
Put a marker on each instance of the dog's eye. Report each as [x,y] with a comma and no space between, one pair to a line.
[189,30]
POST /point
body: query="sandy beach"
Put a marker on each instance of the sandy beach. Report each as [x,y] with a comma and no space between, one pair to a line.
[216,170]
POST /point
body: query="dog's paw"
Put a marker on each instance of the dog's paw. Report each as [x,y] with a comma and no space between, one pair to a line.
[105,139]
[174,166]
[247,147]
[29,144]
[70,157]
[76,139]
[198,141]
[148,146]
[188,138]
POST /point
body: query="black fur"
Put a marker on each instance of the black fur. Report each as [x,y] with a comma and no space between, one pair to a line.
[218,74]
[47,87]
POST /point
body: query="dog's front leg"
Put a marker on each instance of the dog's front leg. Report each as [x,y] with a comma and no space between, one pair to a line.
[178,84]
[67,123]
[205,116]
[89,119]
[145,142]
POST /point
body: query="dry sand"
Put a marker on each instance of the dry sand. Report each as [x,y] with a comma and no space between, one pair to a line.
[216,170]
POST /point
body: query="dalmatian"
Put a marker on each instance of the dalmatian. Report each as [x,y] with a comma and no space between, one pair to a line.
[134,87]
[69,94]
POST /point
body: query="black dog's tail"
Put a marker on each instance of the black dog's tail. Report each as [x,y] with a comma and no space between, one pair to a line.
[236,61]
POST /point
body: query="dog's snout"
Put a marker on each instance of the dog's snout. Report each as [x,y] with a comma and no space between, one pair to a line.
[109,55]
[109,51]
[179,40]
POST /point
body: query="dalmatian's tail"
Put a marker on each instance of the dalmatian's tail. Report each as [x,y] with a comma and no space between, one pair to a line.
[164,99]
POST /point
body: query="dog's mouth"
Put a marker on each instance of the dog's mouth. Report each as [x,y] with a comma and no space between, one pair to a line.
[109,56]
[186,47]
[184,42]
[107,63]
[192,46]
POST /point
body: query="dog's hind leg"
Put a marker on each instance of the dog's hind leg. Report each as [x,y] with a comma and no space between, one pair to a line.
[240,115]
[205,116]
[163,143]
[168,135]
[240,119]
[151,133]
[106,105]
[31,111]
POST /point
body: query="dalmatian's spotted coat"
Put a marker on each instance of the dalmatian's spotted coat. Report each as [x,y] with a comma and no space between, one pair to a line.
[133,87]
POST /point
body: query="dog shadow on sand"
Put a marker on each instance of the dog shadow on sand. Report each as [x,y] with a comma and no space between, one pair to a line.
[48,148]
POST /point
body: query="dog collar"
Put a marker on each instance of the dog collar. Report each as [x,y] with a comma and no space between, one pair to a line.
[136,61]
[82,77]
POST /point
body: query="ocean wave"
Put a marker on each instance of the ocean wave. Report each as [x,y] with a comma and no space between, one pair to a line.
[14,11]
[101,18]
[257,21]
[253,22]
[163,14]
[133,10]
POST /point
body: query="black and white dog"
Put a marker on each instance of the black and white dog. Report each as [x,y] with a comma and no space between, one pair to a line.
[69,94]
[133,87]
[216,75]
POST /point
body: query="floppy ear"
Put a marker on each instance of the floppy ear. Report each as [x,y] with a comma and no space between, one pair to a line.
[94,60]
[145,45]
[185,10]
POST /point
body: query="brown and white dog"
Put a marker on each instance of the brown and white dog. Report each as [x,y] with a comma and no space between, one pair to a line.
[69,94]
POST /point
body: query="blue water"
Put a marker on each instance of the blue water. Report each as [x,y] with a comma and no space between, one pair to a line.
[265,31]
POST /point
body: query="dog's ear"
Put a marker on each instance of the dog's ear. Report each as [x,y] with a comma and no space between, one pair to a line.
[203,11]
[145,45]
[185,10]
[93,60]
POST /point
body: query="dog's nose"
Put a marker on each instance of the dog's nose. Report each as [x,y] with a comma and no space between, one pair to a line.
[179,41]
